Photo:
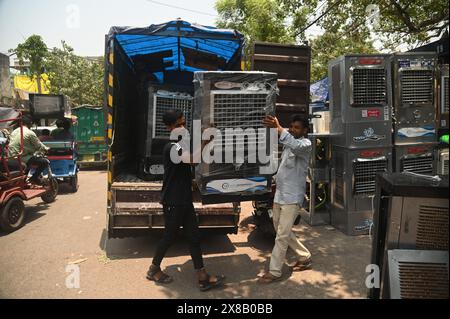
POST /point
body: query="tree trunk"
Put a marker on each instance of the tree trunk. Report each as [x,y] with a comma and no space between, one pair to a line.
[38,78]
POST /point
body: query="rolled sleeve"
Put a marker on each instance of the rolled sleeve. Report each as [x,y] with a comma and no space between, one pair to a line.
[297,146]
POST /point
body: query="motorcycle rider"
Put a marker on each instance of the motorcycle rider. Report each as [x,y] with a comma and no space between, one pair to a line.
[31,145]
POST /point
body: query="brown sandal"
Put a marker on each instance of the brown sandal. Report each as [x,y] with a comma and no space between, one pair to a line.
[302,265]
[158,276]
[205,285]
[268,278]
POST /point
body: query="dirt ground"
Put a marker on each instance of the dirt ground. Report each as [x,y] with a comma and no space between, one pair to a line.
[33,259]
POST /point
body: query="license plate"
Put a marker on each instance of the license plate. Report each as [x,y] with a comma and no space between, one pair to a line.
[97,139]
[88,158]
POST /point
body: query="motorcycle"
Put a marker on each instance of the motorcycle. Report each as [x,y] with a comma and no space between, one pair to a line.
[46,179]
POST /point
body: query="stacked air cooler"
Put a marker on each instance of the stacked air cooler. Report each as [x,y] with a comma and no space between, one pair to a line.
[157,135]
[443,98]
[361,107]
[410,242]
[228,101]
[442,166]
[415,133]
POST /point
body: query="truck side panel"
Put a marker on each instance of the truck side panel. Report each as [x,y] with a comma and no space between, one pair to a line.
[292,63]
[108,101]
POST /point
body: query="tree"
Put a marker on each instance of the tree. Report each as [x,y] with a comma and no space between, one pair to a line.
[349,26]
[393,22]
[258,20]
[33,50]
[330,45]
[285,21]
[79,78]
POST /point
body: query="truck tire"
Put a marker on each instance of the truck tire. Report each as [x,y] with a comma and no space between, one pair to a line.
[12,215]
[74,183]
[50,195]
[264,223]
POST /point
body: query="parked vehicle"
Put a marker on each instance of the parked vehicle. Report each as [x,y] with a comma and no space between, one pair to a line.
[63,162]
[167,55]
[15,187]
[62,155]
[90,135]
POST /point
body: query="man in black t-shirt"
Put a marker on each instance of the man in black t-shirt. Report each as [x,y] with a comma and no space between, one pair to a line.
[178,209]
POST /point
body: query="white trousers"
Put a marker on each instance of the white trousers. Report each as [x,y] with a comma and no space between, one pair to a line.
[283,219]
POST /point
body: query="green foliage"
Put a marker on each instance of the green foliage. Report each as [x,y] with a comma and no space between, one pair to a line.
[330,45]
[394,22]
[77,77]
[258,20]
[349,26]
[34,51]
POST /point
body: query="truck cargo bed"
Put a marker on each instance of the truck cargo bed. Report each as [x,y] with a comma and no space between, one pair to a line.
[135,205]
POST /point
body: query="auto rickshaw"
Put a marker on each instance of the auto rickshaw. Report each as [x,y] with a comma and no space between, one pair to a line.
[62,156]
[15,186]
[63,162]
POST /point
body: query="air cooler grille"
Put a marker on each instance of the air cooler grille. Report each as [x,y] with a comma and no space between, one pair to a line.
[239,110]
[417,86]
[364,175]
[432,228]
[418,274]
[418,165]
[423,280]
[369,86]
[443,163]
[445,107]
[164,103]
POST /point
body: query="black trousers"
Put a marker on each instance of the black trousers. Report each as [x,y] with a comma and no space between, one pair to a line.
[40,163]
[174,217]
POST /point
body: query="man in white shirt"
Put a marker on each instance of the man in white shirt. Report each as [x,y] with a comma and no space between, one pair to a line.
[290,192]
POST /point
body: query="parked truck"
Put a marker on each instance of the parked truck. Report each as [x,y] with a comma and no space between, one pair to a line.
[90,134]
[141,65]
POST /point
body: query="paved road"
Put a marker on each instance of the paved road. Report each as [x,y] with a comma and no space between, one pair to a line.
[33,259]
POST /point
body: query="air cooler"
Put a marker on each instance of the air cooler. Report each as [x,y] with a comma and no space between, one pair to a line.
[237,102]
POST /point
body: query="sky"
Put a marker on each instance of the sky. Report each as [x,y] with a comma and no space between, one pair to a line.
[84,23]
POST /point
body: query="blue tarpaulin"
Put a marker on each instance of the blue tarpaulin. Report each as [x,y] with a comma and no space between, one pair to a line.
[319,90]
[180,45]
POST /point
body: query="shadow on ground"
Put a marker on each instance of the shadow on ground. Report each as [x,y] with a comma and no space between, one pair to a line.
[32,213]
[241,282]
[339,263]
[144,246]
